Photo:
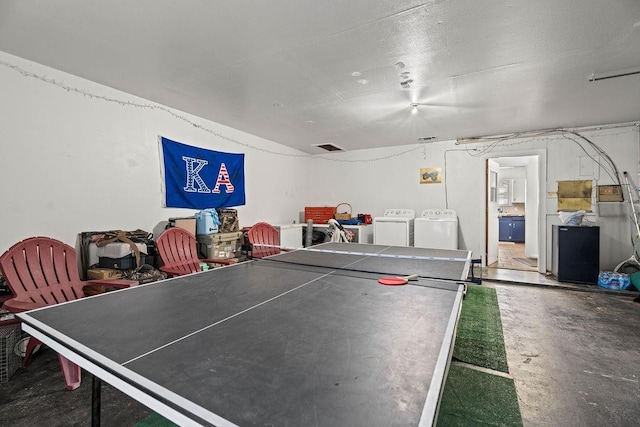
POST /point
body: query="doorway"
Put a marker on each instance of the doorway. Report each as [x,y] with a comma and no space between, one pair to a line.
[516,215]
[512,256]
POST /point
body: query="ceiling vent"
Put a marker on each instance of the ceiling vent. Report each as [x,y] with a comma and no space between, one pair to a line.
[329,147]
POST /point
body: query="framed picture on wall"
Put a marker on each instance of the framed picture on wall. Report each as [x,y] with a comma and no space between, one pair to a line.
[430,175]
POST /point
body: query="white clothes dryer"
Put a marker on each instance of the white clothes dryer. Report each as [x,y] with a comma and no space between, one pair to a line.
[436,229]
[394,228]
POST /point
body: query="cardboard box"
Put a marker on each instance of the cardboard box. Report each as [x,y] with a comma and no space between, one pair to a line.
[187,223]
[228,220]
[220,245]
[104,273]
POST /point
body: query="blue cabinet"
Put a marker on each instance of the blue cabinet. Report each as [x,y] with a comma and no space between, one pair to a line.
[511,229]
[504,229]
[517,229]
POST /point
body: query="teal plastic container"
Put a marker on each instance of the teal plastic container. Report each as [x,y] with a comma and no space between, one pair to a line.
[207,221]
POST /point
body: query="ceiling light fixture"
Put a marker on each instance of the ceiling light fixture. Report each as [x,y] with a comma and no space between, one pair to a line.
[414,107]
[406,84]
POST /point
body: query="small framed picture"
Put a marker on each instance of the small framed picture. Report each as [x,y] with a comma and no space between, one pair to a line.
[430,175]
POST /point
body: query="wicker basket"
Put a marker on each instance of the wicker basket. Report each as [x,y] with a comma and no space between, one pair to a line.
[343,215]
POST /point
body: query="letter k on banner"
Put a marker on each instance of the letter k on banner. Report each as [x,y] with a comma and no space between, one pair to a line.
[197,178]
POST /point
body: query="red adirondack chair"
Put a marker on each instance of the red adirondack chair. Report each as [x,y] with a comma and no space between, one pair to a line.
[264,239]
[41,271]
[179,252]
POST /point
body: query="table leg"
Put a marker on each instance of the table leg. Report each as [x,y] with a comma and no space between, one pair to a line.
[96,391]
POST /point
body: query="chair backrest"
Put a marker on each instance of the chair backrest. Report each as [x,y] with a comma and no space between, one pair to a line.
[264,239]
[42,270]
[178,251]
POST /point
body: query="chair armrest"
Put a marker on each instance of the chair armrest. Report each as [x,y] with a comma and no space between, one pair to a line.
[223,261]
[175,270]
[114,283]
[171,270]
[100,286]
[15,305]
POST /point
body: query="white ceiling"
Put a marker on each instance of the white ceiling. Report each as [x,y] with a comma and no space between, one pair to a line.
[286,70]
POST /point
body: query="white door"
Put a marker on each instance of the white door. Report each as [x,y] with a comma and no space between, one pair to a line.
[492,212]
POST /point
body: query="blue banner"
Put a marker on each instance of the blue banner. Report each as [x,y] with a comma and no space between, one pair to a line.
[197,178]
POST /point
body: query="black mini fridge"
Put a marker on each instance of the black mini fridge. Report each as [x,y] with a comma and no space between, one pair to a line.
[576,253]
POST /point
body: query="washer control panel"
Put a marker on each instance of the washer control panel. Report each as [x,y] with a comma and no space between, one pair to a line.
[402,213]
[439,214]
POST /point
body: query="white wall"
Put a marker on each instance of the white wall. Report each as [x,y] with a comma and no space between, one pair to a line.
[71,162]
[512,172]
[373,180]
[378,179]
[567,162]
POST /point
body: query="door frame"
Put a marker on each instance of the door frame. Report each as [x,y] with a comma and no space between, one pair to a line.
[544,250]
[491,212]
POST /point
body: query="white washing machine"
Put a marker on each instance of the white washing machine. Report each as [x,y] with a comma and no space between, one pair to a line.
[394,228]
[436,229]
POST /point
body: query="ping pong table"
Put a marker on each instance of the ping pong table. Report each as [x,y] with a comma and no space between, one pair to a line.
[307,337]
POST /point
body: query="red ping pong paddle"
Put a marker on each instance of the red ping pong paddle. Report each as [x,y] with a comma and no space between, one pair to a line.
[396,280]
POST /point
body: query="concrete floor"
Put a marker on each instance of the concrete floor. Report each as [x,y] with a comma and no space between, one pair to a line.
[574,355]
[36,396]
[573,351]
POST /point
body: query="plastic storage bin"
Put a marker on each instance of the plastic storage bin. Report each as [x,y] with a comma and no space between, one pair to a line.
[120,255]
[207,221]
[220,245]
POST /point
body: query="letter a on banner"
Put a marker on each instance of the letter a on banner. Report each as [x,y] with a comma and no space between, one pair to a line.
[189,174]
[223,179]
